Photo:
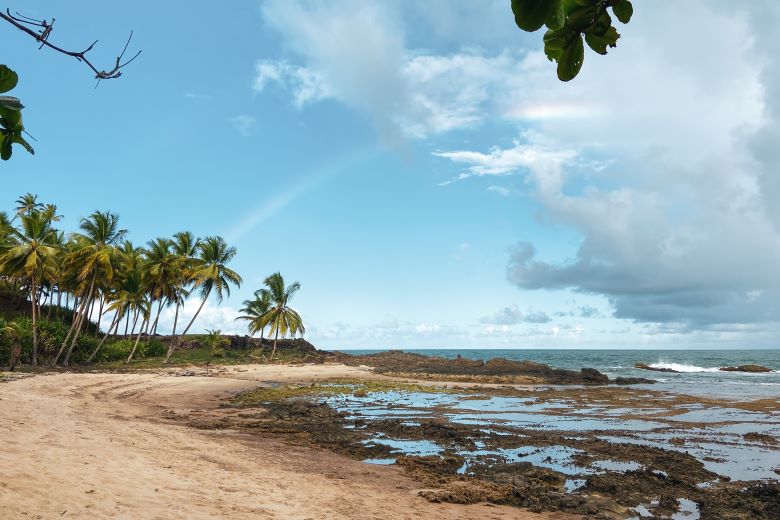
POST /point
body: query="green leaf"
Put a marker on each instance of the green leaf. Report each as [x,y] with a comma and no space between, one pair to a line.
[599,43]
[530,15]
[10,102]
[5,147]
[570,63]
[10,118]
[555,42]
[22,141]
[557,16]
[601,25]
[623,10]
[8,79]
[581,18]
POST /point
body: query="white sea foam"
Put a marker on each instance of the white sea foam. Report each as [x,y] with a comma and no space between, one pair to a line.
[680,367]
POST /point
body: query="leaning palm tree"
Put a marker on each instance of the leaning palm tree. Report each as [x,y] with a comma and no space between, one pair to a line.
[95,257]
[253,311]
[210,274]
[31,255]
[281,318]
[185,247]
[160,271]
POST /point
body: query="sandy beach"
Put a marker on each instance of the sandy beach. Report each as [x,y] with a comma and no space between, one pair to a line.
[92,445]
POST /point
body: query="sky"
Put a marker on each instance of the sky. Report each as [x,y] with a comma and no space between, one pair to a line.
[418,167]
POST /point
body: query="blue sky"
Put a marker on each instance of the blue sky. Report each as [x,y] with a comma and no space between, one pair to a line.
[419,169]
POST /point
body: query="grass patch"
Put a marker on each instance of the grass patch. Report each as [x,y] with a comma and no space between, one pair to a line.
[202,355]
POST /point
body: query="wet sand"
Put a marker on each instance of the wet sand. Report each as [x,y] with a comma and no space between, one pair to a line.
[91,445]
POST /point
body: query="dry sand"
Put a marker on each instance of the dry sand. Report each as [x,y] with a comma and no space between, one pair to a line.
[96,446]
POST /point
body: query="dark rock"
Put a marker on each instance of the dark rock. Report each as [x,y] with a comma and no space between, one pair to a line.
[746,368]
[645,366]
[633,381]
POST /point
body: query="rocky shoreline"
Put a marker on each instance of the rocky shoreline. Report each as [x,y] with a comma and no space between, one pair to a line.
[496,370]
[748,369]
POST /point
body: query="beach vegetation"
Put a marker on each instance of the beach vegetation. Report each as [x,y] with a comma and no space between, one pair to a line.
[57,290]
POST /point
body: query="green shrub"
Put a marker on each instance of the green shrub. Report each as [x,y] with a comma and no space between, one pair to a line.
[115,350]
[153,348]
[119,350]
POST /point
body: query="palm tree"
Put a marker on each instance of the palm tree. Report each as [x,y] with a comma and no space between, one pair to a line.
[281,318]
[160,270]
[13,331]
[185,247]
[31,255]
[210,274]
[27,203]
[253,311]
[95,256]
[214,341]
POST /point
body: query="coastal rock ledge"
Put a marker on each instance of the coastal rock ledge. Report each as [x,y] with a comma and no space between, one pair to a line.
[740,368]
[746,368]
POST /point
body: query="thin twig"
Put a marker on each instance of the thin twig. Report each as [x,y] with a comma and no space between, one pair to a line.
[22,22]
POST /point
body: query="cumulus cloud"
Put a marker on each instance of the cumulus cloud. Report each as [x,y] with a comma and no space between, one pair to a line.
[681,225]
[664,161]
[357,53]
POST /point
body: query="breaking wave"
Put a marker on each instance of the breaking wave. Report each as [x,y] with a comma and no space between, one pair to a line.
[681,367]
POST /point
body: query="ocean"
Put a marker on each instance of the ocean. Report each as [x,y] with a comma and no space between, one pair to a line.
[697,370]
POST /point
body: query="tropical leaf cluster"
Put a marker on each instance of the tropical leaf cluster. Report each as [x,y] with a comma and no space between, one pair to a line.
[11,127]
[95,273]
[570,25]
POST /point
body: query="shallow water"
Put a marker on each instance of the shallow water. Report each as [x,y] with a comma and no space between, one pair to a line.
[712,435]
[701,376]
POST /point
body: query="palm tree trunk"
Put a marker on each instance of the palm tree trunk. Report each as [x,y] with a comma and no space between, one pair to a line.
[100,315]
[276,338]
[137,338]
[135,322]
[127,322]
[175,340]
[148,323]
[157,318]
[34,325]
[114,325]
[81,322]
[16,351]
[135,346]
[75,317]
[175,319]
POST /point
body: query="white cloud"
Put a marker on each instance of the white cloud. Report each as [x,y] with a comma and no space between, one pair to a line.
[531,154]
[513,315]
[681,225]
[663,157]
[244,124]
[307,86]
[356,52]
[219,317]
[500,190]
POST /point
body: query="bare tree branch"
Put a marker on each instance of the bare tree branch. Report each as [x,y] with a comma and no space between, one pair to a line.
[25,24]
